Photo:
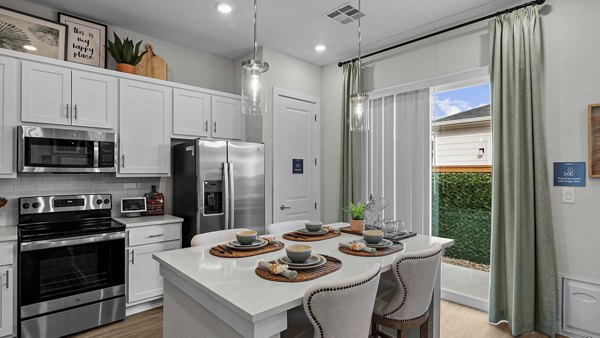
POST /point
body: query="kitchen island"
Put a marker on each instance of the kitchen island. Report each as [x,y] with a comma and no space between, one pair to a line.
[208,296]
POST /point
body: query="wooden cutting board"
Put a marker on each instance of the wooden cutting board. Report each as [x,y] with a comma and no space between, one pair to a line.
[152,65]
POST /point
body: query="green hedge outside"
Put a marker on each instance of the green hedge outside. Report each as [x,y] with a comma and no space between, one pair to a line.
[462,210]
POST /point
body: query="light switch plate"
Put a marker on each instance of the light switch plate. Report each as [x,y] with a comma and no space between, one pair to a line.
[568,195]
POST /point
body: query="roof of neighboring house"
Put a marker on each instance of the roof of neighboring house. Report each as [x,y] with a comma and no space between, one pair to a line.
[482,111]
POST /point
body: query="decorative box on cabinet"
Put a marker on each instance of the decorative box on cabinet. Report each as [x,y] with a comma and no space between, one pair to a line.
[145,112]
[57,95]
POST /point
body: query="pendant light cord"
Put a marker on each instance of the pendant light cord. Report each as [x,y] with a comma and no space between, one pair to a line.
[255,42]
[359,39]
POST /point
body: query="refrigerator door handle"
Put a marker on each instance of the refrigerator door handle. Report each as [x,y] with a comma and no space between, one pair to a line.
[227,196]
[231,196]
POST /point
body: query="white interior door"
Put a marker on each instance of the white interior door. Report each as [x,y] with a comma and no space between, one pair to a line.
[296,157]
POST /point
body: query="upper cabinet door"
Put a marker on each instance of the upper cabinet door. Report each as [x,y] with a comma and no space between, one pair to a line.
[191,113]
[226,118]
[8,114]
[145,128]
[45,94]
[94,100]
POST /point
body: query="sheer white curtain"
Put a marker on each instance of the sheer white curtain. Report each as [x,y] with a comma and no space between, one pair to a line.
[397,156]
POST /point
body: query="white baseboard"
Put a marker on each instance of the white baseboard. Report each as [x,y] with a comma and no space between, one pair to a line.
[470,301]
[133,309]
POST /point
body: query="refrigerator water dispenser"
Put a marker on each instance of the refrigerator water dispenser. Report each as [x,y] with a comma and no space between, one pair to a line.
[213,197]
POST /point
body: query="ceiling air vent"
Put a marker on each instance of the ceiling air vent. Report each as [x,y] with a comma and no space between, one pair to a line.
[344,14]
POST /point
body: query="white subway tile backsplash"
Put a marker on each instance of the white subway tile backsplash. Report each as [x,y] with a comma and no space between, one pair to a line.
[48,184]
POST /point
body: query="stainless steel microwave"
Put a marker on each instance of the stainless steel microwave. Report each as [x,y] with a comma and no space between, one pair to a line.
[49,150]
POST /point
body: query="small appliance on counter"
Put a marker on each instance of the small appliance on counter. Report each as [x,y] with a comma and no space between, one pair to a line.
[133,206]
[71,265]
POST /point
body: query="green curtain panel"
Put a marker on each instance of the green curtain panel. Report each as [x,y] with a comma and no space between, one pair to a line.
[351,141]
[523,274]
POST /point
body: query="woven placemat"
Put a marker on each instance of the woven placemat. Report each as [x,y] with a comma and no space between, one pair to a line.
[333,264]
[226,252]
[298,237]
[348,230]
[380,252]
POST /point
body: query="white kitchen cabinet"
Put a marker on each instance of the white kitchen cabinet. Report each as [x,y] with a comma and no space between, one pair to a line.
[226,118]
[6,301]
[145,112]
[94,100]
[45,94]
[191,113]
[144,280]
[57,95]
[8,115]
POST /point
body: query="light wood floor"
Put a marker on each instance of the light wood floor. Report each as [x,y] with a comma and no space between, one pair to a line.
[457,322]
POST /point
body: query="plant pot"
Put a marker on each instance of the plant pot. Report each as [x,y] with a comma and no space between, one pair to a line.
[357,225]
[126,68]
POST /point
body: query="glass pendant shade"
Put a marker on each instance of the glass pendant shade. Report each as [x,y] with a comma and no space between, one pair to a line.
[359,111]
[254,87]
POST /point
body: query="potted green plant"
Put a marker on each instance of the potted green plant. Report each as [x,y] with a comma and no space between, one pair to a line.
[125,54]
[356,212]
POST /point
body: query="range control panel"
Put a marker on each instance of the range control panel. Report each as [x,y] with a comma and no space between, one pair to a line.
[62,203]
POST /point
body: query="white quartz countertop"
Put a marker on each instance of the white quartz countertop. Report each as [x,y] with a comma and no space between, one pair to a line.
[131,222]
[233,282]
[8,233]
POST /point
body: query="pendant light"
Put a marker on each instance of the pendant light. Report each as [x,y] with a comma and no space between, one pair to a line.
[254,82]
[359,102]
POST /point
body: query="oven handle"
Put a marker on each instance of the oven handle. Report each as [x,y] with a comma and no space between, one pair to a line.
[56,243]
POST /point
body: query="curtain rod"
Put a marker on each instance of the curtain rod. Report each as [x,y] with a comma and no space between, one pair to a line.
[531,3]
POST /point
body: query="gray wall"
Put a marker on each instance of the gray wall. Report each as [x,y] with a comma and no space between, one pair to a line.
[571,82]
[185,65]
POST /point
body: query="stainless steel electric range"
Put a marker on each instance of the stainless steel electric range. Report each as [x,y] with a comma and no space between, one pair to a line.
[71,265]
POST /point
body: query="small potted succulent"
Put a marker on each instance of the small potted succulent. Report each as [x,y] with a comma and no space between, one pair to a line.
[125,54]
[357,214]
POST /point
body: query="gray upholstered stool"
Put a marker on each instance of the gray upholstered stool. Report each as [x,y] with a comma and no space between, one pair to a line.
[336,309]
[406,304]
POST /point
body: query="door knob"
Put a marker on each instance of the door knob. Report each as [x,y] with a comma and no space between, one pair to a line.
[283,207]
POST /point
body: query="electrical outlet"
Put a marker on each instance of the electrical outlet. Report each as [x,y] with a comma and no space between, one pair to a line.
[568,195]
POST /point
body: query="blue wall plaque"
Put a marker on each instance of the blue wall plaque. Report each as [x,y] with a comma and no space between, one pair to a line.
[569,174]
[297,166]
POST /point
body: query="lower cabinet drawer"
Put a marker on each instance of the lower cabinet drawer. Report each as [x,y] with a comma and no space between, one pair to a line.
[6,253]
[154,234]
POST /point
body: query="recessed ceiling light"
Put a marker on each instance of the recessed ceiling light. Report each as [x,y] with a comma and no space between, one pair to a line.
[223,8]
[320,48]
[29,47]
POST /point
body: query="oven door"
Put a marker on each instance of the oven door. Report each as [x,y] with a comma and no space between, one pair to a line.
[61,273]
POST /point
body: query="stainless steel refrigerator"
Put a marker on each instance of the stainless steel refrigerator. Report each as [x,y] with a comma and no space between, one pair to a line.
[218,185]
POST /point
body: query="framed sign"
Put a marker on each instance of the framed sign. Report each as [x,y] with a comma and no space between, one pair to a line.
[86,41]
[297,166]
[33,35]
[569,174]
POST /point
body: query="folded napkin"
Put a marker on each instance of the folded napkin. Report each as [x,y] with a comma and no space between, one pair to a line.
[271,240]
[330,229]
[278,269]
[358,246]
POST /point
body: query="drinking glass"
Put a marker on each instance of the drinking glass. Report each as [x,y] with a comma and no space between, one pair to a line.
[402,227]
[390,228]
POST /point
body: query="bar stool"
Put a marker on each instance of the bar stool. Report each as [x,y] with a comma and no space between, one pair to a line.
[336,309]
[283,227]
[215,237]
[406,304]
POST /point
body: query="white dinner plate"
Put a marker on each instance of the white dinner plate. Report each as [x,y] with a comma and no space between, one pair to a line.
[385,243]
[305,231]
[312,260]
[257,244]
[322,261]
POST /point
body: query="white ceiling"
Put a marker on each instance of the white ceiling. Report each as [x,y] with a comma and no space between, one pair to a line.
[293,27]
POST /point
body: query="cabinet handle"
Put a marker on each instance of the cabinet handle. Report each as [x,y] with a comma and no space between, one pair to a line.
[123,160]
[215,127]
[75,108]
[157,235]
[7,278]
[206,126]
[67,112]
[132,257]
